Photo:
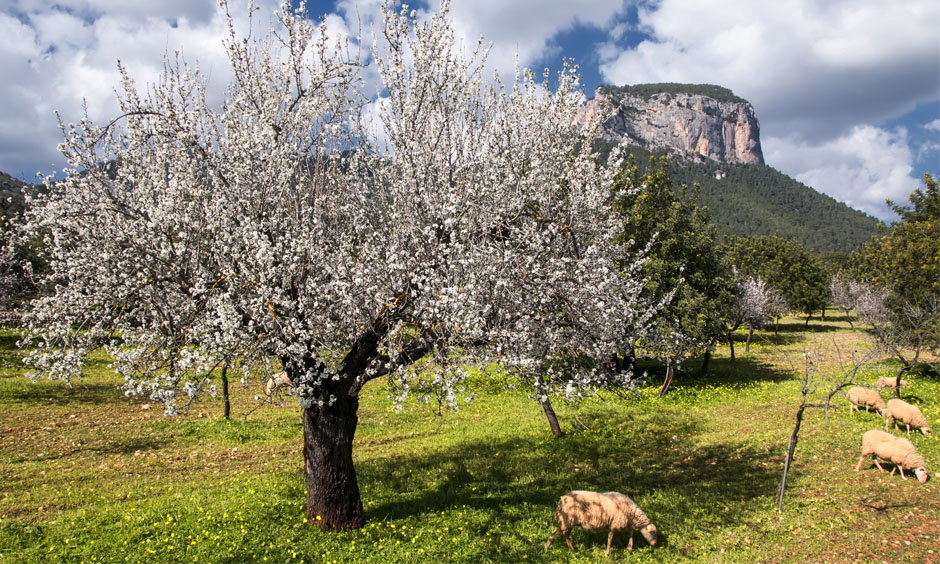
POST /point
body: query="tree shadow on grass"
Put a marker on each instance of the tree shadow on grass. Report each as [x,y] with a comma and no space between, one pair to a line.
[81,393]
[682,487]
[722,371]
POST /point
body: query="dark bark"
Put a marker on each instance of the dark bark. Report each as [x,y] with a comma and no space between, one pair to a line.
[807,320]
[546,404]
[824,313]
[550,415]
[668,381]
[706,360]
[226,403]
[333,500]
[897,381]
[791,448]
[731,344]
[747,346]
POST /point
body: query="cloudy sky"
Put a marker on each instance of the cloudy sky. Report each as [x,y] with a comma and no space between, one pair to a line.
[847,91]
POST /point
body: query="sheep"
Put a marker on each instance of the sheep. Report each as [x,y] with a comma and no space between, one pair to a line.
[276,381]
[888,382]
[893,449]
[862,396]
[593,510]
[900,410]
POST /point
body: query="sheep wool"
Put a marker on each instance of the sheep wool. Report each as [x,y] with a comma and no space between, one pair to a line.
[892,449]
[910,415]
[593,510]
[888,382]
[277,380]
[858,396]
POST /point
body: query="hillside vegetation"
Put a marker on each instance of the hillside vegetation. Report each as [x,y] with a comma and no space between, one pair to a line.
[760,200]
[90,475]
[647,91]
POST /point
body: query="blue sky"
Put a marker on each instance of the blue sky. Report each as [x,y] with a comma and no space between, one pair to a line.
[847,91]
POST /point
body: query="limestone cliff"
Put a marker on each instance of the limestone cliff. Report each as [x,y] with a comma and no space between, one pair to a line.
[698,122]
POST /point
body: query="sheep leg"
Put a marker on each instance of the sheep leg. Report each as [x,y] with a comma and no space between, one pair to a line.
[551,537]
[879,465]
[901,468]
[567,533]
[610,539]
[859,465]
[630,543]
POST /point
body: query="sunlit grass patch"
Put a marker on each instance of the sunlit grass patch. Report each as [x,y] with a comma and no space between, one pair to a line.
[93,476]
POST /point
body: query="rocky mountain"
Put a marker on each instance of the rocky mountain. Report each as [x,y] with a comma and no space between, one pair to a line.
[712,139]
[697,122]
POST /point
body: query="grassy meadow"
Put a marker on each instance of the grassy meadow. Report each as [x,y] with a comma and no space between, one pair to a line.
[89,475]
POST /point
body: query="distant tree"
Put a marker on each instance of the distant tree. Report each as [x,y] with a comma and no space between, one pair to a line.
[686,270]
[477,231]
[786,266]
[901,273]
[755,303]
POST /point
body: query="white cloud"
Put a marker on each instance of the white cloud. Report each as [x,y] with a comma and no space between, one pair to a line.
[862,168]
[811,68]
[59,55]
[933,125]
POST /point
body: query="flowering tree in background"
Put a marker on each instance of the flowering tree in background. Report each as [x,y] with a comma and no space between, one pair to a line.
[755,302]
[186,237]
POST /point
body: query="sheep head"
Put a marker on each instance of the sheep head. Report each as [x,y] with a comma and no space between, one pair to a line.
[921,474]
[649,533]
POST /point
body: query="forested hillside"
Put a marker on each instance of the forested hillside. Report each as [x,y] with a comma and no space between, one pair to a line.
[760,200]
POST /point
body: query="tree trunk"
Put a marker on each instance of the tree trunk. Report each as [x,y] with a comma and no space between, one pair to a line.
[547,406]
[226,403]
[807,320]
[552,419]
[791,447]
[824,313]
[706,360]
[731,344]
[747,346]
[669,371]
[333,501]
[897,382]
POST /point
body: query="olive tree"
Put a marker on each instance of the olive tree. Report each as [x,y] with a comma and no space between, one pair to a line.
[475,227]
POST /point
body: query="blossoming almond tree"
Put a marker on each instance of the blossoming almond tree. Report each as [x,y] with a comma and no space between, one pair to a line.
[186,236]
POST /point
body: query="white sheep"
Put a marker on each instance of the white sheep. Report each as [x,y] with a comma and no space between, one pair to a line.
[888,382]
[863,396]
[276,381]
[893,449]
[910,415]
[593,510]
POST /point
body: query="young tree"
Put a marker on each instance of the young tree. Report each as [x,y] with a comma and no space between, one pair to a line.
[900,279]
[786,266]
[687,273]
[478,230]
[754,303]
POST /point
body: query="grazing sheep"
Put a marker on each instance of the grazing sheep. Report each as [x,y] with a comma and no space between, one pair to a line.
[893,449]
[863,396]
[277,380]
[592,510]
[899,410]
[888,382]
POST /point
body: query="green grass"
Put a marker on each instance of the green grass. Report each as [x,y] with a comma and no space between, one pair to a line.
[91,476]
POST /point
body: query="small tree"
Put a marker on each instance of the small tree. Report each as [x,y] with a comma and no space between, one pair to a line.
[687,272]
[755,303]
[900,274]
[244,233]
[786,266]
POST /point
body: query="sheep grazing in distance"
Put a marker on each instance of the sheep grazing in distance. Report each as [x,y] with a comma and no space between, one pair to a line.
[593,510]
[896,450]
[910,415]
[888,382]
[863,396]
[276,381]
